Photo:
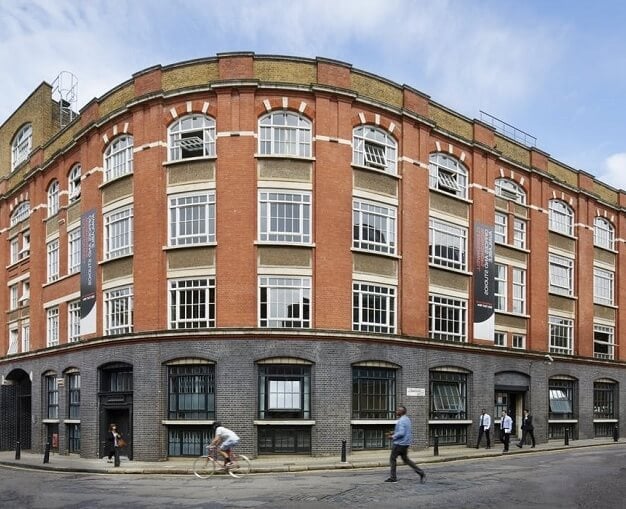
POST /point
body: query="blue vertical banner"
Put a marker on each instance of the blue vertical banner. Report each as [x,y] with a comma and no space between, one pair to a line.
[484,281]
[88,264]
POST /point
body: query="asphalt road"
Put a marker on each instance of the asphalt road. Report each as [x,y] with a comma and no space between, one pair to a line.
[577,478]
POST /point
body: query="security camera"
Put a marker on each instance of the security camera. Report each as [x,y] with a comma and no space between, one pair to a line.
[548,358]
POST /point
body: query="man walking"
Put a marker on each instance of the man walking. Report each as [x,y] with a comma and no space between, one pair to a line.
[483,427]
[527,429]
[506,426]
[402,439]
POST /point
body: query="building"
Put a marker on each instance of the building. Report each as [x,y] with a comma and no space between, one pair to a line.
[295,247]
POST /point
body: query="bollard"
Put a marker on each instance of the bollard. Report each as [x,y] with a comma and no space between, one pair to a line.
[436,445]
[343,451]
[46,453]
[566,436]
[615,433]
[116,456]
[18,450]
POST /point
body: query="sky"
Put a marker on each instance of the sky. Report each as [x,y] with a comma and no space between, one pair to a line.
[555,69]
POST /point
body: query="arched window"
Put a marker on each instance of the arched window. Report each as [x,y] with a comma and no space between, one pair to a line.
[21,145]
[603,233]
[73,183]
[561,217]
[285,133]
[448,175]
[510,190]
[118,158]
[191,136]
[20,213]
[374,148]
[53,198]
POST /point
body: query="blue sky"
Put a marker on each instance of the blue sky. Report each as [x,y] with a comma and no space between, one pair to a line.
[555,69]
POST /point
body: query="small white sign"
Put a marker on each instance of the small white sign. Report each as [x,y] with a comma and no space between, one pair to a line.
[415,391]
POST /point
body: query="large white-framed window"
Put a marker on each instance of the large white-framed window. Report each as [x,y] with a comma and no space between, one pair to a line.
[447,318]
[500,228]
[21,145]
[52,249]
[192,303]
[118,310]
[561,335]
[13,296]
[500,289]
[374,226]
[20,213]
[73,183]
[191,136]
[603,341]
[118,233]
[285,302]
[73,251]
[52,326]
[561,217]
[285,133]
[603,286]
[519,290]
[53,198]
[510,190]
[561,275]
[118,158]
[374,148]
[519,233]
[73,321]
[447,174]
[192,218]
[373,307]
[603,233]
[25,336]
[285,216]
[447,244]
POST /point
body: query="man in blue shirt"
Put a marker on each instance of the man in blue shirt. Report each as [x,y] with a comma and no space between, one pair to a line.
[402,439]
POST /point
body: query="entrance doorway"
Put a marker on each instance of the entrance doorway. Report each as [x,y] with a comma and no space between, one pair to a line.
[121,417]
[15,404]
[513,403]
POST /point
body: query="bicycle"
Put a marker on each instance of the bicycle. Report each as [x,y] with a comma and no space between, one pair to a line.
[213,462]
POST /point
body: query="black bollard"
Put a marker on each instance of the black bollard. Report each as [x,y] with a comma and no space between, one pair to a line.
[18,450]
[46,453]
[615,433]
[116,457]
[566,436]
[436,445]
[343,451]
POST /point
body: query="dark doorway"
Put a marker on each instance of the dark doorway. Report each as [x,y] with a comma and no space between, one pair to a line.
[15,410]
[116,404]
[121,417]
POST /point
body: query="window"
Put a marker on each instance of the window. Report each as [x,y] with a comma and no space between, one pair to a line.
[447,244]
[561,335]
[447,318]
[519,341]
[500,287]
[73,393]
[373,392]
[118,311]
[191,136]
[53,260]
[603,341]
[510,190]
[561,217]
[191,392]
[192,303]
[52,397]
[188,440]
[116,377]
[603,286]
[604,400]
[284,133]
[561,275]
[25,336]
[499,339]
[118,158]
[285,217]
[21,146]
[284,302]
[13,340]
[561,398]
[14,249]
[25,251]
[25,291]
[13,296]
[20,213]
[448,395]
[284,391]
[373,308]
[73,183]
[52,326]
[374,148]
[519,290]
[53,198]
[500,231]
[73,251]
[192,218]
[118,233]
[374,227]
[448,175]
[519,233]
[73,321]
[603,233]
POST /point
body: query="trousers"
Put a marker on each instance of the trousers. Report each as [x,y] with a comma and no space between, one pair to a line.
[402,451]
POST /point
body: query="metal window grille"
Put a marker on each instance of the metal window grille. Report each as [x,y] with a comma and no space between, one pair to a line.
[191,392]
[373,393]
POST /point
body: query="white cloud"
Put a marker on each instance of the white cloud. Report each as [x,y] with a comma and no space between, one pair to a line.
[614,172]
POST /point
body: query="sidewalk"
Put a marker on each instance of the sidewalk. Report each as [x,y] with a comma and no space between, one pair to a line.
[281,463]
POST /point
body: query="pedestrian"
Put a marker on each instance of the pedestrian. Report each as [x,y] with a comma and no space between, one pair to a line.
[527,429]
[506,426]
[401,439]
[112,442]
[483,427]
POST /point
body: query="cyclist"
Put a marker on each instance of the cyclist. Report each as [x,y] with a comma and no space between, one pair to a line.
[226,439]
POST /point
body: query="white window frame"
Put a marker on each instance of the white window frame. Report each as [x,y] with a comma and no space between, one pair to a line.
[53,198]
[518,299]
[25,336]
[500,287]
[519,233]
[499,339]
[73,183]
[603,286]
[191,218]
[20,213]
[191,136]
[21,145]
[603,233]
[25,292]
[14,340]
[273,227]
[609,343]
[561,275]
[13,297]
[285,133]
[452,313]
[52,250]
[561,333]
[561,218]
[118,233]
[52,326]
[118,158]
[384,302]
[25,251]
[276,294]
[118,310]
[448,175]
[518,341]
[373,147]
[501,228]
[73,250]
[370,219]
[510,190]
[14,250]
[450,237]
[73,321]
[191,303]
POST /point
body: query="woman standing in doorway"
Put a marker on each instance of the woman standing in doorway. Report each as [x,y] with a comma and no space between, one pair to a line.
[112,441]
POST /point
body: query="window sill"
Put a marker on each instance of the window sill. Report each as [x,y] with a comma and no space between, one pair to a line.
[450,421]
[50,421]
[557,294]
[357,422]
[110,260]
[271,243]
[450,195]
[71,421]
[376,170]
[566,235]
[188,160]
[188,422]
[115,179]
[511,313]
[605,420]
[605,305]
[284,422]
[562,421]
[377,253]
[461,272]
[187,246]
[607,249]
[284,156]
[511,246]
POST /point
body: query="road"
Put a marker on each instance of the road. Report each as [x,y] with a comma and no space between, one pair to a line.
[576,478]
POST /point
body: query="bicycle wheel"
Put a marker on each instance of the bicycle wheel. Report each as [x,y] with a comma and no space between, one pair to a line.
[242,467]
[203,467]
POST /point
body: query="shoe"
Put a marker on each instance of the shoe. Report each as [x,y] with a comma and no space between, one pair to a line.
[422,478]
[532,446]
[519,445]
[109,461]
[488,447]
[391,479]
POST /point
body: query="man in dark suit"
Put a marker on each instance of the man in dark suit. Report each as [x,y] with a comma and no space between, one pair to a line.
[527,429]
